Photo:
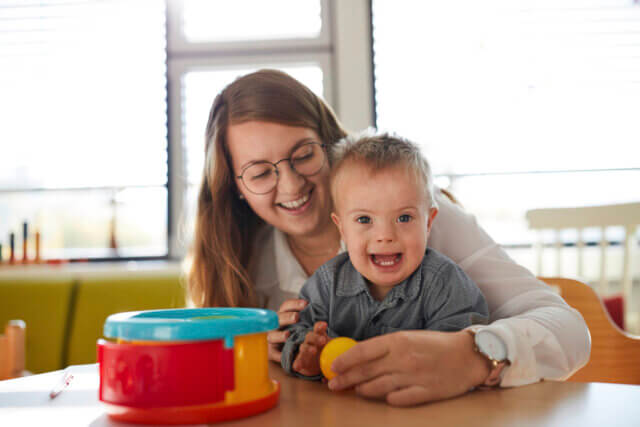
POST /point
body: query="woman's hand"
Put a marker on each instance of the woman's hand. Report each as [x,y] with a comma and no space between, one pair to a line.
[411,367]
[288,314]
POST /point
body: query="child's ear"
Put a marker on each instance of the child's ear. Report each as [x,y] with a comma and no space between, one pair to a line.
[432,214]
[336,221]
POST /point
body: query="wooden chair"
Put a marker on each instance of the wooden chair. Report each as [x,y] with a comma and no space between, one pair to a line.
[626,215]
[12,344]
[615,355]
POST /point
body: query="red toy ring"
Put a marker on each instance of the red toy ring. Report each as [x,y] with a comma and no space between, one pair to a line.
[165,374]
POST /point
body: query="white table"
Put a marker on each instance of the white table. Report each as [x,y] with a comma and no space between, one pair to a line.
[25,402]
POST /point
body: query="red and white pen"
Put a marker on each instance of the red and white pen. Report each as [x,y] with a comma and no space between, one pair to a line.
[64,383]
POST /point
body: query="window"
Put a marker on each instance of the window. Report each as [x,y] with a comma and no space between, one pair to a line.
[518,104]
[84,126]
[94,90]
[204,58]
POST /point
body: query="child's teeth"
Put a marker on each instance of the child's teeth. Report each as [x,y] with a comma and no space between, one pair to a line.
[386,260]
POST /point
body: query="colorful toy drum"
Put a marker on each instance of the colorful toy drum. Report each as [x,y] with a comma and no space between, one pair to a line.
[187,366]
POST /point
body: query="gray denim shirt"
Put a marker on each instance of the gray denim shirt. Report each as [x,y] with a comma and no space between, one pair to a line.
[437,296]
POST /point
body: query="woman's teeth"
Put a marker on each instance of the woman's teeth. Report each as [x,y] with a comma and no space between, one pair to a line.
[386,260]
[295,204]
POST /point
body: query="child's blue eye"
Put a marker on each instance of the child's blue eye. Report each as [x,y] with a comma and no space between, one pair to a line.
[363,219]
[404,218]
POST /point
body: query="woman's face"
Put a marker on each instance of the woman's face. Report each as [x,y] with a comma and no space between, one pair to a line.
[298,205]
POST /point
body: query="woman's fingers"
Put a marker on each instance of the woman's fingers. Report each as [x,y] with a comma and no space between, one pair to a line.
[277,337]
[398,390]
[292,305]
[410,396]
[275,355]
[362,353]
[288,313]
[360,373]
[287,318]
[381,386]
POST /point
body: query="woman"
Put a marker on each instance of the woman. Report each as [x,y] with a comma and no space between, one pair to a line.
[263,226]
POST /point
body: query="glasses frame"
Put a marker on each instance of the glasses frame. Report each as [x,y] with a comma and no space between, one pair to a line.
[323,146]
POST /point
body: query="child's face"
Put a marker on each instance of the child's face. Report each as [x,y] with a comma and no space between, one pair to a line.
[384,219]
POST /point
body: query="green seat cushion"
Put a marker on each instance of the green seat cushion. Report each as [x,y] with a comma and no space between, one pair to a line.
[100,297]
[44,306]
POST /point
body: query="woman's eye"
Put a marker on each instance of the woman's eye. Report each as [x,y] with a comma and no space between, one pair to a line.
[363,220]
[261,175]
[302,159]
[404,218]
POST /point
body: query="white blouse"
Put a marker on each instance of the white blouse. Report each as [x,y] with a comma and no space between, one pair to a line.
[545,338]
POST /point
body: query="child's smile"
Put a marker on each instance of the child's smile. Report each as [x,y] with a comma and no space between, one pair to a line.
[387,261]
[384,219]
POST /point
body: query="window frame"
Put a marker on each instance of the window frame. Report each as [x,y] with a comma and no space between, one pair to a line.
[184,57]
[455,177]
[342,49]
[178,45]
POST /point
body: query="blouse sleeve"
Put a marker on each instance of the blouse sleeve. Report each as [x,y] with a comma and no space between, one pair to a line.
[545,338]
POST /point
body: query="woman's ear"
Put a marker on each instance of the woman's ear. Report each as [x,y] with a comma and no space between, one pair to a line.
[432,215]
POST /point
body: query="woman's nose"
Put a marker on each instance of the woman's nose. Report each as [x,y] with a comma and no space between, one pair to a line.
[289,181]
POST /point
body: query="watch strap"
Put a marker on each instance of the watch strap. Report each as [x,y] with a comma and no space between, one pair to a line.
[495,366]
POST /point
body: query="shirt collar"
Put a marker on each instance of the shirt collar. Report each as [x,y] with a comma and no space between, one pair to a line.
[351,283]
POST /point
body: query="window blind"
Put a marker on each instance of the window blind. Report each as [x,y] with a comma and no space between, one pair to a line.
[519,104]
[508,86]
[83,93]
[83,126]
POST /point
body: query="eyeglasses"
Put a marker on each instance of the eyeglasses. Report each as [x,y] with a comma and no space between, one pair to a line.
[262,177]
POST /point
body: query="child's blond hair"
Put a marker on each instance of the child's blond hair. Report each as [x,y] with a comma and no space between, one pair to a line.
[381,151]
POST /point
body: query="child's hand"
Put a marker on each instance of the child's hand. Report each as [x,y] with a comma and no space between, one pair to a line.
[308,359]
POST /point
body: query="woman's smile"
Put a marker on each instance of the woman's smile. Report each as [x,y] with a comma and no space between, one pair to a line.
[297,206]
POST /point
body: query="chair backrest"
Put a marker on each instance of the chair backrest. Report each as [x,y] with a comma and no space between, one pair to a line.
[615,355]
[626,215]
[12,344]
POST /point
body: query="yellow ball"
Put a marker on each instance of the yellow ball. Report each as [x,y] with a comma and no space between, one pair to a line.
[333,349]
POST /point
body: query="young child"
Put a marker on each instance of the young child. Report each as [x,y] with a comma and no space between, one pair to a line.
[388,280]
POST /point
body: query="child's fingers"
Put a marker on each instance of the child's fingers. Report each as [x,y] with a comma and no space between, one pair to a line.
[307,360]
[299,362]
[308,350]
[320,328]
[315,339]
[305,357]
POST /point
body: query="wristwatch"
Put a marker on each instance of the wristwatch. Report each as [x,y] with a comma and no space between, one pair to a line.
[492,348]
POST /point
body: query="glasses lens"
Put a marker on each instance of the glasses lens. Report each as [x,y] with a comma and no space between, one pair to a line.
[308,159]
[260,178]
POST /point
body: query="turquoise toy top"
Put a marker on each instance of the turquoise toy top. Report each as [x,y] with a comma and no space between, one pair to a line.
[189,324]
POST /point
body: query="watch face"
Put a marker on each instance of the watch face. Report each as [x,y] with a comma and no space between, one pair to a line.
[491,345]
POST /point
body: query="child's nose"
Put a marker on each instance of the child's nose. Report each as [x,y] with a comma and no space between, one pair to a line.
[385,233]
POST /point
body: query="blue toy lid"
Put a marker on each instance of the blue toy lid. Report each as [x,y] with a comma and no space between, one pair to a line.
[189,324]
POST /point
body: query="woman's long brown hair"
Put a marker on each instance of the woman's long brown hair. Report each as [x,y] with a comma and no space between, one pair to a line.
[225,226]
